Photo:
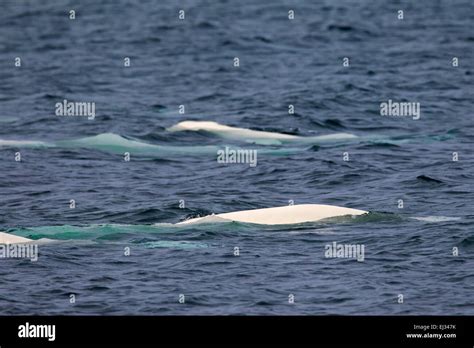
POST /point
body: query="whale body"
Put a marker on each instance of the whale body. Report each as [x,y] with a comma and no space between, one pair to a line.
[286,215]
[117,144]
[249,135]
[293,214]
[227,131]
[6,238]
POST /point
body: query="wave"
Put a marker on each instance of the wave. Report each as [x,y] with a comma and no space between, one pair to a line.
[435,219]
[23,143]
[426,178]
[467,242]
[117,144]
[172,244]
[7,119]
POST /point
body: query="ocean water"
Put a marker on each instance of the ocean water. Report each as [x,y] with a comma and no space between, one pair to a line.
[132,206]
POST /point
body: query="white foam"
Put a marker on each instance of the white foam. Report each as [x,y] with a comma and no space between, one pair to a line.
[434,219]
[280,215]
[107,139]
[22,143]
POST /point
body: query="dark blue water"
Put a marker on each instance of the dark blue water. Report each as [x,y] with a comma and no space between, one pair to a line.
[189,62]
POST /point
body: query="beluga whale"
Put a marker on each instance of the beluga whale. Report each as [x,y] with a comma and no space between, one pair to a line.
[255,136]
[286,215]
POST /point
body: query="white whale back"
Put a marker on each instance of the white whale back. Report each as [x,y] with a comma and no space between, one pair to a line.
[258,137]
[293,214]
[227,131]
[6,238]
